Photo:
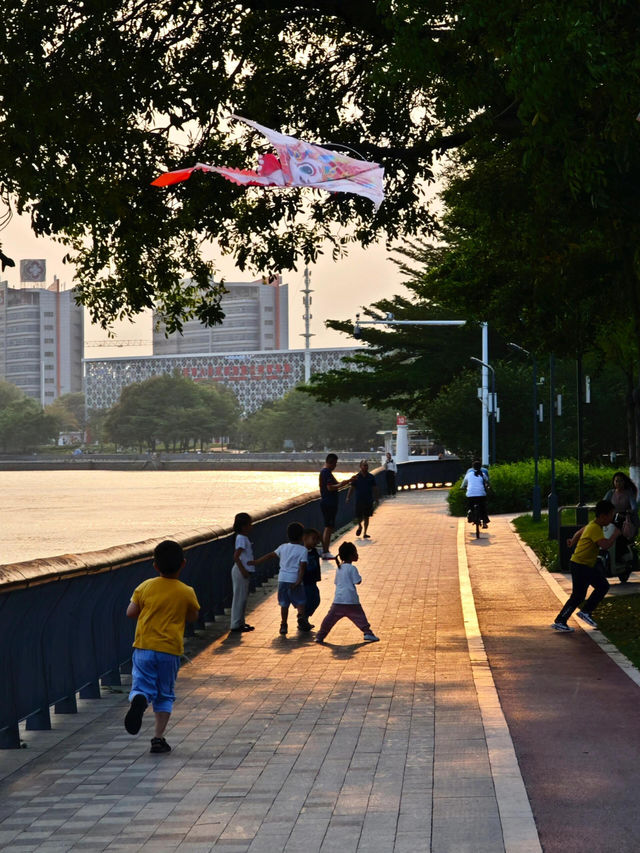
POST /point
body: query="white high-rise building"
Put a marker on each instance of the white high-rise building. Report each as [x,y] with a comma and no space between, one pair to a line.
[256,319]
[41,340]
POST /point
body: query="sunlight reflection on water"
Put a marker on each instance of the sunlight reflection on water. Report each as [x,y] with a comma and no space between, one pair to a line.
[68,512]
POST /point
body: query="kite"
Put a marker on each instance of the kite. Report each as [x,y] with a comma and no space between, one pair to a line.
[298,164]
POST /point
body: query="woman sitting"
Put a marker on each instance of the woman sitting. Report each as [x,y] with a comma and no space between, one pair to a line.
[624,497]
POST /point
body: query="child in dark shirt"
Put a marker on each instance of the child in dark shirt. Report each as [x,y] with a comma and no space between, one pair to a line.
[311,539]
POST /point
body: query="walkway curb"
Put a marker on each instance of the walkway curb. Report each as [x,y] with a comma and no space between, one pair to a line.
[518,826]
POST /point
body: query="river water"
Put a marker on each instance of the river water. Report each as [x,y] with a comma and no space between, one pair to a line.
[47,513]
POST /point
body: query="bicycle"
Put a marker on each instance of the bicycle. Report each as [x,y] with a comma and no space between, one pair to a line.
[474,516]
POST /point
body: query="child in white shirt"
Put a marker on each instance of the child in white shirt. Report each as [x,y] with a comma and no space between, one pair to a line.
[346,602]
[241,572]
[293,564]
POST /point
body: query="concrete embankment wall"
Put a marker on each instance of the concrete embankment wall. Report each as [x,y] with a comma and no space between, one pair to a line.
[179,462]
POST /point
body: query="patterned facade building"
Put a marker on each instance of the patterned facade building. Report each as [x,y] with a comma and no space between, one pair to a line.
[254,377]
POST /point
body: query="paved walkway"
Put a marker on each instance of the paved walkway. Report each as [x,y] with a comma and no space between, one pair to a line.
[283,745]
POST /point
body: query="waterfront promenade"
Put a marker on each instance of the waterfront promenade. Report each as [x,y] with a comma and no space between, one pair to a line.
[470,727]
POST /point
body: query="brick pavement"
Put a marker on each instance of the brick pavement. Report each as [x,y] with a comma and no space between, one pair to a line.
[283,745]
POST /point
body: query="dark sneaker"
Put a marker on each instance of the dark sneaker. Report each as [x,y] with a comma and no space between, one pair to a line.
[562,626]
[319,640]
[247,627]
[283,628]
[133,718]
[159,744]
[359,530]
[588,618]
[304,625]
[366,536]
[371,638]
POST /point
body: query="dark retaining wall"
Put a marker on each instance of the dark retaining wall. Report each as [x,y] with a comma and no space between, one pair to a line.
[63,628]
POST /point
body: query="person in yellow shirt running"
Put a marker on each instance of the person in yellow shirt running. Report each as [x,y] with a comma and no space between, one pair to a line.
[161,605]
[583,567]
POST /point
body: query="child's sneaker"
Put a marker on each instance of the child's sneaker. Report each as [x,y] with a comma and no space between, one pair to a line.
[588,618]
[284,628]
[562,626]
[371,638]
[133,718]
[159,744]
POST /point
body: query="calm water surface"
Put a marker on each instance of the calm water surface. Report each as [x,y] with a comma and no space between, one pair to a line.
[67,512]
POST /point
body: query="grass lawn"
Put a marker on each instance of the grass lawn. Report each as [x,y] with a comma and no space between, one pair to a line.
[618,618]
[536,536]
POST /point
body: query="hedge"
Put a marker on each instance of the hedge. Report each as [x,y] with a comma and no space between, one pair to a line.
[513,485]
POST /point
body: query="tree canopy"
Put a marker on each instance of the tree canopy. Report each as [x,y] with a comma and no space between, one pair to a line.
[23,423]
[309,425]
[96,98]
[171,410]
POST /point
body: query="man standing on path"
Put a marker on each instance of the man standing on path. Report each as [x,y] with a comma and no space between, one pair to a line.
[329,488]
[364,485]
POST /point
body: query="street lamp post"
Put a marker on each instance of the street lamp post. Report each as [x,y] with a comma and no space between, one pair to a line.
[391,321]
[535,499]
[492,408]
[553,497]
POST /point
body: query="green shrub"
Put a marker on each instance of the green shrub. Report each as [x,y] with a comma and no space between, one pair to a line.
[513,484]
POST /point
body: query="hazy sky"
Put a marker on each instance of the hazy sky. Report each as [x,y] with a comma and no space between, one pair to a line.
[339,289]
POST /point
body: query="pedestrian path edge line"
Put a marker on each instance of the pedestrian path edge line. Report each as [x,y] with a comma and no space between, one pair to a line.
[598,637]
[518,825]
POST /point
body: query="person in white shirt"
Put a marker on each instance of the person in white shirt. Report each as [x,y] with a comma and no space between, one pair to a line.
[346,602]
[241,572]
[476,482]
[293,564]
[391,469]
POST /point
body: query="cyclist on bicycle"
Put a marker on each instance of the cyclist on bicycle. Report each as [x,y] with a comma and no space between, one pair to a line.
[476,481]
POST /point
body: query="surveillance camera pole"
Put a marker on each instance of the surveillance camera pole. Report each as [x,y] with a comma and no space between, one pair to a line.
[493,407]
[390,321]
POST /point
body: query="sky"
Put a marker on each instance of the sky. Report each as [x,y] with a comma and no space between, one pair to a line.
[340,289]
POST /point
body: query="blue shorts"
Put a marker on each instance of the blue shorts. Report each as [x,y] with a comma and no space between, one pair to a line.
[288,594]
[154,675]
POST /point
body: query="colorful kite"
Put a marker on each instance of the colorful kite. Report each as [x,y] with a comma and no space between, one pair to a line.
[298,164]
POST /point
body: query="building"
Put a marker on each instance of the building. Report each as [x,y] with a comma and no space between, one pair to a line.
[254,377]
[256,319]
[41,340]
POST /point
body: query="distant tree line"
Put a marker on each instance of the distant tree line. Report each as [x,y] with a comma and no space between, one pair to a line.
[175,414]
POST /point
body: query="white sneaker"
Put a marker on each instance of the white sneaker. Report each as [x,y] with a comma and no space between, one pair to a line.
[371,638]
[328,556]
[588,618]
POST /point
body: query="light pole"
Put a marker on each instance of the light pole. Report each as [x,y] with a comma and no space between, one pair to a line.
[492,408]
[553,497]
[390,321]
[535,501]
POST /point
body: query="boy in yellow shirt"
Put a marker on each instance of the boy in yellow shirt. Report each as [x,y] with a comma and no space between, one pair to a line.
[583,567]
[161,605]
